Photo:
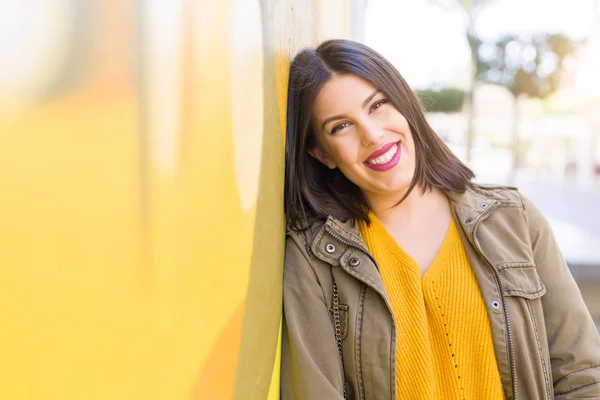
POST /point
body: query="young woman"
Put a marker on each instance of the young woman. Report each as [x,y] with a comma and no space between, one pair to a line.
[402,278]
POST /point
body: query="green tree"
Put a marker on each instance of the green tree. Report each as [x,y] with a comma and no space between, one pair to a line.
[445,100]
[533,67]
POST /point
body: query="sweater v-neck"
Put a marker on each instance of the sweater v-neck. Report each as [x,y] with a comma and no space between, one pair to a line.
[377,230]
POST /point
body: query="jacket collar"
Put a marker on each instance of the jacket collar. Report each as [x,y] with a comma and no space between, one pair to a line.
[467,207]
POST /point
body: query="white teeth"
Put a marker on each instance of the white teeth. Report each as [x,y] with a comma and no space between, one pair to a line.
[386,157]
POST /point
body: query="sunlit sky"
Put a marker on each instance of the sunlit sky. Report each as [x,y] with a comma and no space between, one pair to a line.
[427,43]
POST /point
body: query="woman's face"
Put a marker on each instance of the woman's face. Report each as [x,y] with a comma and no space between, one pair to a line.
[360,132]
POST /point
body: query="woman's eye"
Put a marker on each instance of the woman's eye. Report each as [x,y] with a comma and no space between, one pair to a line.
[378,104]
[339,126]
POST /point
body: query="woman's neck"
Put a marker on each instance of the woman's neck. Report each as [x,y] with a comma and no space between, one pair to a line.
[416,205]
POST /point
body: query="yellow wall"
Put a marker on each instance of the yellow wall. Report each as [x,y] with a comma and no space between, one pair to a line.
[141,226]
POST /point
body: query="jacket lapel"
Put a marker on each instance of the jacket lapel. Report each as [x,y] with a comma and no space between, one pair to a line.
[341,244]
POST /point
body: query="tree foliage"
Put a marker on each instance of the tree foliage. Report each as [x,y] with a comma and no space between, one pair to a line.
[442,100]
[534,66]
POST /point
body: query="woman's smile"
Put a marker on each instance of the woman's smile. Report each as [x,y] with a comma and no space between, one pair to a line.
[385,158]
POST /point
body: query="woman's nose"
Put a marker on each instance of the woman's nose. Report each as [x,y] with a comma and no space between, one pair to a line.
[371,134]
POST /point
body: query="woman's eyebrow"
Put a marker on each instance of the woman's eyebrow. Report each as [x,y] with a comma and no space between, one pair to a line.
[364,104]
[368,99]
[335,117]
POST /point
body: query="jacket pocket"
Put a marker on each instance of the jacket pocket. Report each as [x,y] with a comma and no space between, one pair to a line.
[521,281]
[524,288]
[343,319]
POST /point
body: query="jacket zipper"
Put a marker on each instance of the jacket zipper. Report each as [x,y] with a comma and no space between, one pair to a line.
[513,371]
[357,246]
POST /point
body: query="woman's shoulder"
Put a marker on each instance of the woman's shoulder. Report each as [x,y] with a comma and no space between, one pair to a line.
[298,241]
[301,266]
[305,233]
[511,197]
[307,243]
[479,196]
[500,192]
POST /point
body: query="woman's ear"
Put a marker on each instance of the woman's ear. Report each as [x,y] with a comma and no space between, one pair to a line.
[320,155]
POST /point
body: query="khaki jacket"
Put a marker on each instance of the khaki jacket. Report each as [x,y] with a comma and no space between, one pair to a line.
[546,343]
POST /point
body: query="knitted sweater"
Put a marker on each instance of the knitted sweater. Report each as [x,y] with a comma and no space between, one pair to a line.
[444,347]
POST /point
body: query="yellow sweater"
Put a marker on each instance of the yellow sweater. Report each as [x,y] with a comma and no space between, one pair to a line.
[444,346]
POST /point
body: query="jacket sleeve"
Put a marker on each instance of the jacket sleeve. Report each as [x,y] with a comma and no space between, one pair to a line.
[310,361]
[573,339]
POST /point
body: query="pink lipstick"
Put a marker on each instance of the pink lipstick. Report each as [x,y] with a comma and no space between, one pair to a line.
[380,157]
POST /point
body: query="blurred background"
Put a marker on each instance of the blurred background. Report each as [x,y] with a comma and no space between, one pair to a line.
[141,159]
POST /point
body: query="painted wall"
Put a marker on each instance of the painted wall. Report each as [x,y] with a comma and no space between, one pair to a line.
[141,177]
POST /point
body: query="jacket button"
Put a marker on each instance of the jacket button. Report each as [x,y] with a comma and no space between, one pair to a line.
[468,220]
[495,304]
[354,262]
[484,205]
[329,247]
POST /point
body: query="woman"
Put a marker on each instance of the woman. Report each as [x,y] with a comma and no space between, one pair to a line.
[402,279]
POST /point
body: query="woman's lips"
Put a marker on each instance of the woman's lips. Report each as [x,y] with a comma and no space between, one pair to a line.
[382,150]
[390,164]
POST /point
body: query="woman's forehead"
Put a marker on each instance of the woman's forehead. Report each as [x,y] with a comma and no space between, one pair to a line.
[340,93]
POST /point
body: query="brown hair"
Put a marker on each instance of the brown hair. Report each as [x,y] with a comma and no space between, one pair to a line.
[313,191]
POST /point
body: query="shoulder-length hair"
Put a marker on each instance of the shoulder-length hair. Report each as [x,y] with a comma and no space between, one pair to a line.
[313,191]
